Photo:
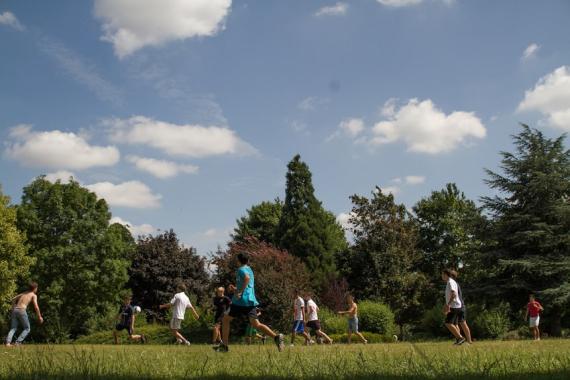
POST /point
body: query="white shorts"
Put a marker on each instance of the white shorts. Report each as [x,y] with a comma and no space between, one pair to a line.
[533,322]
[175,323]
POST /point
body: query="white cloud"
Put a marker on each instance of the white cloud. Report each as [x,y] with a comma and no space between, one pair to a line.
[338,9]
[135,230]
[399,3]
[61,175]
[180,140]
[426,129]
[133,194]
[344,220]
[9,19]
[390,190]
[311,103]
[551,97]
[58,150]
[530,51]
[352,127]
[81,71]
[161,168]
[133,24]
[415,179]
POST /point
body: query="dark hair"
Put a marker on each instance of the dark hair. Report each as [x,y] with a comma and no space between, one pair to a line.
[181,287]
[454,274]
[531,295]
[448,272]
[32,286]
[243,257]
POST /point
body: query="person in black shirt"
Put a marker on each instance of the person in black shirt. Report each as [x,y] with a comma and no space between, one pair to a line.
[126,319]
[221,306]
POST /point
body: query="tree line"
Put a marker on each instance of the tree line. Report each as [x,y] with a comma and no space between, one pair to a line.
[504,247]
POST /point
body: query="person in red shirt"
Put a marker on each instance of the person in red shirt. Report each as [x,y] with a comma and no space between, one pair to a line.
[533,310]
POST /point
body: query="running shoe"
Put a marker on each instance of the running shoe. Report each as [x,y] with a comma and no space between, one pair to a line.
[280,342]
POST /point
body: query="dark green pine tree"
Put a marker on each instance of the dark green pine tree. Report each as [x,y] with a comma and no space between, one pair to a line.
[307,230]
[532,220]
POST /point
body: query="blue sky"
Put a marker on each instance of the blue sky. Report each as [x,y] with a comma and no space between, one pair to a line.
[183,114]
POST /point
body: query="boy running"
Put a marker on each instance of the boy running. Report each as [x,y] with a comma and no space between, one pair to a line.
[533,310]
[20,315]
[179,303]
[352,313]
[244,304]
[313,320]
[126,319]
[463,324]
[221,306]
[452,309]
[299,319]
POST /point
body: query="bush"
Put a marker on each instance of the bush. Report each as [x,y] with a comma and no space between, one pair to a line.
[332,322]
[432,323]
[376,317]
[493,323]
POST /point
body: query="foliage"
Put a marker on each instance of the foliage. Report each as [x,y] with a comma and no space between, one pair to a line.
[260,222]
[432,322]
[334,294]
[376,317]
[14,258]
[491,324]
[306,229]
[277,275]
[332,322]
[159,264]
[81,262]
[531,223]
[383,262]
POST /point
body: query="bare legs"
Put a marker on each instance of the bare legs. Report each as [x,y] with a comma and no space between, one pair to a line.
[358,334]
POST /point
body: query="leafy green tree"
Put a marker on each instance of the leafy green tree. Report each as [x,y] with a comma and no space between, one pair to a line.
[306,229]
[383,262]
[14,258]
[261,222]
[81,262]
[450,225]
[160,263]
[531,223]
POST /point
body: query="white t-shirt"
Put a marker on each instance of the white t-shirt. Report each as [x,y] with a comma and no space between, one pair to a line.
[312,309]
[299,305]
[181,302]
[452,286]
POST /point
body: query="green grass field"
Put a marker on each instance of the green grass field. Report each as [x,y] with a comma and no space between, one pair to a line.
[497,360]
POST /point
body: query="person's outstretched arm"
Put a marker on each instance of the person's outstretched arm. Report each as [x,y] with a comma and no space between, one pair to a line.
[37,308]
[196,316]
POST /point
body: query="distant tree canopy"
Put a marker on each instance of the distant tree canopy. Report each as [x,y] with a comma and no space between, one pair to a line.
[531,225]
[261,222]
[14,259]
[306,229]
[159,264]
[80,262]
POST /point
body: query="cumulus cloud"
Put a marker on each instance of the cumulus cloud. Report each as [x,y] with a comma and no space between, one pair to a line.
[344,220]
[426,129]
[133,24]
[530,51]
[9,19]
[390,190]
[311,103]
[133,194]
[180,140]
[337,9]
[415,179]
[57,149]
[161,168]
[551,97]
[63,176]
[350,127]
[135,230]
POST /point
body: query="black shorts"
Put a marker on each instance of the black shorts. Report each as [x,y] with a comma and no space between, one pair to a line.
[455,316]
[237,311]
[120,327]
[314,325]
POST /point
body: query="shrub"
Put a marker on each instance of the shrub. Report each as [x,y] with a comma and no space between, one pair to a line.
[432,323]
[332,322]
[492,323]
[376,317]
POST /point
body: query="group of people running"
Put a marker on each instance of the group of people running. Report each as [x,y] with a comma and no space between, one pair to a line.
[239,301]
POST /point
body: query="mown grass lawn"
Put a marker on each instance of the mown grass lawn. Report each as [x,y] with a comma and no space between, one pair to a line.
[498,360]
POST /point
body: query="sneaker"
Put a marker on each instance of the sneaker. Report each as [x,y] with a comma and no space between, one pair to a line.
[365,342]
[143,339]
[221,348]
[186,343]
[263,339]
[459,342]
[279,342]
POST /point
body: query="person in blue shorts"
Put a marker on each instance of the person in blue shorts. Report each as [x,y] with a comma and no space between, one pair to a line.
[244,304]
[352,314]
[299,319]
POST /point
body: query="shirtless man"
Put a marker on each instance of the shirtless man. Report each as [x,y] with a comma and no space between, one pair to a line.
[352,313]
[20,315]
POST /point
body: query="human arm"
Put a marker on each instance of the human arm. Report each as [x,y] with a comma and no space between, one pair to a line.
[246,280]
[37,308]
[196,316]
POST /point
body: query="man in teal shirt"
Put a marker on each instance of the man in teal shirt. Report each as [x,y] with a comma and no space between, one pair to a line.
[244,304]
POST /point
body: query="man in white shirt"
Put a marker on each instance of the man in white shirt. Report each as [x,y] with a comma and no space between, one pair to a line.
[299,319]
[313,320]
[179,303]
[453,308]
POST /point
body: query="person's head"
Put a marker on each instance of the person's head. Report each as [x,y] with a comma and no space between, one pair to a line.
[220,291]
[127,299]
[243,258]
[446,274]
[531,297]
[349,299]
[298,293]
[33,287]
[453,274]
[181,287]
[307,296]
